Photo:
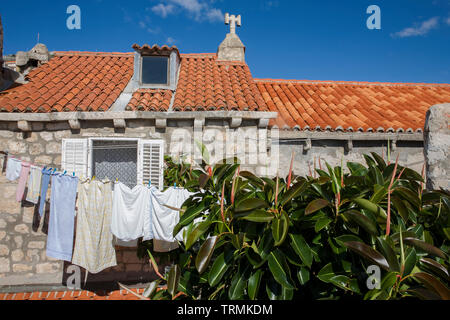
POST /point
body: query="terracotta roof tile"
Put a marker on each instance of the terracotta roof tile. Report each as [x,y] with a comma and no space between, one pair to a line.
[64,79]
[73,295]
[309,104]
[207,84]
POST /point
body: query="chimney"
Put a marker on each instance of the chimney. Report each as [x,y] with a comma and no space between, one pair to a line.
[232,48]
[26,61]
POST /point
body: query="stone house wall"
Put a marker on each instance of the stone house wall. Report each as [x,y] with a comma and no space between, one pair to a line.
[23,261]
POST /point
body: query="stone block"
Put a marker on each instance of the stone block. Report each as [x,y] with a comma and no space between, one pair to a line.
[20,268]
[36,244]
[21,228]
[36,149]
[17,147]
[17,255]
[43,160]
[48,267]
[47,136]
[4,265]
[4,250]
[53,148]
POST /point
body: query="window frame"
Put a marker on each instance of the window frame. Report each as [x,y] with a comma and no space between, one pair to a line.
[140,142]
[141,65]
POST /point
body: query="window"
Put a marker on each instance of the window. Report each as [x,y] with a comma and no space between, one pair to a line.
[132,161]
[155,70]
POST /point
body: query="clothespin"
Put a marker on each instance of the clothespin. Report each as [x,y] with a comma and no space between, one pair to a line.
[117,180]
[54,171]
[149,183]
[64,173]
[175,185]
[74,174]
[93,178]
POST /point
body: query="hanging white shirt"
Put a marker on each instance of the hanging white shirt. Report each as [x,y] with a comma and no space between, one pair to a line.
[130,216]
[164,219]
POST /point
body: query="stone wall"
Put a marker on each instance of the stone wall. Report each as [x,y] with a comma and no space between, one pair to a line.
[333,151]
[23,236]
[23,261]
[437,147]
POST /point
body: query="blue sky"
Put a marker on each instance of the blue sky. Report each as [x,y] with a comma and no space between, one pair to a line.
[298,39]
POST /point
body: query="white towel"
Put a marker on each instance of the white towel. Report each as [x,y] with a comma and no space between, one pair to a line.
[164,219]
[34,185]
[130,212]
[13,168]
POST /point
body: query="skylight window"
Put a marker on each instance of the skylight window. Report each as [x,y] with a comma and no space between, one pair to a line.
[155,70]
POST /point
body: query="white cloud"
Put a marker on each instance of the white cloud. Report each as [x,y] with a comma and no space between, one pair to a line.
[171,40]
[198,10]
[163,10]
[419,29]
[447,21]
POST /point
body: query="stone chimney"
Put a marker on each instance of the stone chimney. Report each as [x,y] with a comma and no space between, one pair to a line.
[26,61]
[232,48]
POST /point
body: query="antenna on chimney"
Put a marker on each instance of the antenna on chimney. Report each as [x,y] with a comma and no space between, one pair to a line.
[38,38]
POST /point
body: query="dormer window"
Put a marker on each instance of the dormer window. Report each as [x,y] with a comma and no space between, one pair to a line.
[155,67]
[155,70]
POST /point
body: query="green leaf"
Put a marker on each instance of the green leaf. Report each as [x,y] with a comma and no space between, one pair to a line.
[326,273]
[422,245]
[203,180]
[315,206]
[173,280]
[346,238]
[436,267]
[280,227]
[279,268]
[433,284]
[368,253]
[364,222]
[204,255]
[389,254]
[410,262]
[400,207]
[357,169]
[249,205]
[190,215]
[259,216]
[198,231]
[238,283]
[297,189]
[252,178]
[219,268]
[254,283]
[301,247]
[341,281]
[266,245]
[322,223]
[303,276]
[407,194]
[151,289]
[372,207]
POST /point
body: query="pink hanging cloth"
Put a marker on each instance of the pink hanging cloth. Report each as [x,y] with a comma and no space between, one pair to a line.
[22,181]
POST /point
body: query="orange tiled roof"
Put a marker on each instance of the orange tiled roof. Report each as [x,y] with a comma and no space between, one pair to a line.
[351,106]
[73,295]
[72,81]
[207,84]
[150,100]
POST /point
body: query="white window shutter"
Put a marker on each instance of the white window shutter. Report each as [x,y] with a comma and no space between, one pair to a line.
[75,156]
[151,162]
